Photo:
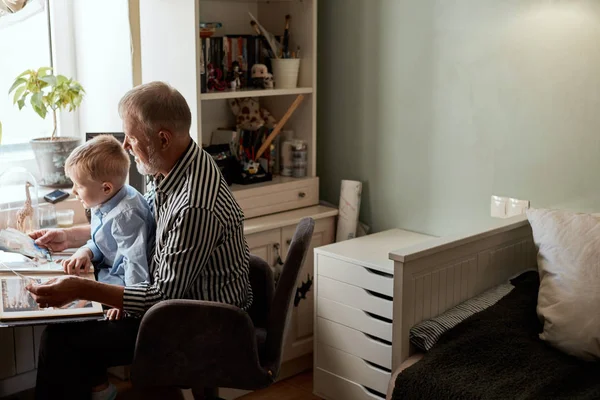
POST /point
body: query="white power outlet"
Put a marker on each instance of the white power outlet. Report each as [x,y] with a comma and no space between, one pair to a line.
[498,206]
[516,207]
[506,207]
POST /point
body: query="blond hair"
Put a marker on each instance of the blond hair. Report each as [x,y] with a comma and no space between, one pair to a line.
[155,106]
[103,159]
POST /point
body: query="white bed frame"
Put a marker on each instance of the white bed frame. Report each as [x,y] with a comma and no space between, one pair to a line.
[435,275]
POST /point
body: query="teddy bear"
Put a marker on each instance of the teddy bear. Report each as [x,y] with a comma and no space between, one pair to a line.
[261,78]
[249,115]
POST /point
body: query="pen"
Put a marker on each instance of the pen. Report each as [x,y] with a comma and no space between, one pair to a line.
[286,35]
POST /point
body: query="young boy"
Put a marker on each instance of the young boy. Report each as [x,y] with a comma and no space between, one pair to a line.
[122,224]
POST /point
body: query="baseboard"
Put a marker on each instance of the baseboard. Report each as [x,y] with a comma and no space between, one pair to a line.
[17,383]
[295,366]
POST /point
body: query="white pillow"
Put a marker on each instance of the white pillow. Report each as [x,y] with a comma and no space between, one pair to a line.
[569,267]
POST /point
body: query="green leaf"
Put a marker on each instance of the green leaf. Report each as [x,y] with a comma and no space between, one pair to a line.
[21,103]
[44,71]
[49,79]
[18,94]
[60,79]
[18,81]
[28,72]
[37,104]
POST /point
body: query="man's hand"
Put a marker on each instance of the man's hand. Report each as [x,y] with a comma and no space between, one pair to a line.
[57,292]
[113,314]
[52,239]
[82,259]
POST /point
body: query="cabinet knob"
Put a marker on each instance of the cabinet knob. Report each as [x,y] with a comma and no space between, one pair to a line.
[289,241]
[301,195]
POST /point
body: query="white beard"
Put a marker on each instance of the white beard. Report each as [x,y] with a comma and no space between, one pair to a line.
[152,167]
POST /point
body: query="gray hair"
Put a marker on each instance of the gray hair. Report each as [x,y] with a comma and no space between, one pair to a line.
[156,106]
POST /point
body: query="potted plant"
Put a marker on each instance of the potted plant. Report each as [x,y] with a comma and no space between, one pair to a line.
[49,93]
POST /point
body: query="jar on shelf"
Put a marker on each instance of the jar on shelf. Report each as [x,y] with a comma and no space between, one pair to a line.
[299,158]
[286,166]
[19,203]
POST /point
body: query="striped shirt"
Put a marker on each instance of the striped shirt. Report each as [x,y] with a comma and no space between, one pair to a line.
[200,250]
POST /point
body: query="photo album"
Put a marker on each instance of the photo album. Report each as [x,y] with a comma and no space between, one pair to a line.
[22,262]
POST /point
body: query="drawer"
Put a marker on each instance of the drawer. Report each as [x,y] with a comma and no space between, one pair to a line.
[336,388]
[354,342]
[288,195]
[356,275]
[352,368]
[354,318]
[354,296]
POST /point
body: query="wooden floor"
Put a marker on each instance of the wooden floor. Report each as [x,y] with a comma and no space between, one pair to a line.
[298,387]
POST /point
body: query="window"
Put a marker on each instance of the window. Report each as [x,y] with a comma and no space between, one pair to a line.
[24,44]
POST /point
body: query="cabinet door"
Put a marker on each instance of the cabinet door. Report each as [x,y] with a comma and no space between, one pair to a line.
[265,245]
[299,339]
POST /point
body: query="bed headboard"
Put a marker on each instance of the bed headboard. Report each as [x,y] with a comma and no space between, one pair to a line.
[435,275]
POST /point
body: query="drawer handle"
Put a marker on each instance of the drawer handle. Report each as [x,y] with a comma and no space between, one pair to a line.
[381,296]
[376,366]
[301,195]
[380,273]
[378,317]
[373,392]
[376,339]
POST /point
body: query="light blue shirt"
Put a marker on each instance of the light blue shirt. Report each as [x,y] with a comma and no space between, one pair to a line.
[122,231]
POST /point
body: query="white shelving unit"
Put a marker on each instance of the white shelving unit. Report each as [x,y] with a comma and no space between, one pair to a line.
[171,52]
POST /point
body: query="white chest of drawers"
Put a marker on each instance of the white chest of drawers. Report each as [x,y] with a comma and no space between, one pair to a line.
[354,286]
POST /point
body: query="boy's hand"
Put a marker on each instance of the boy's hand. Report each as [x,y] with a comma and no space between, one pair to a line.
[81,260]
[52,239]
[113,314]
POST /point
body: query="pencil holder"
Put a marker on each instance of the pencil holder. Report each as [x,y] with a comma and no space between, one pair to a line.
[285,72]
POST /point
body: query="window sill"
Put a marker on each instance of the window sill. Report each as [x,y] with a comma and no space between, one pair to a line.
[16,197]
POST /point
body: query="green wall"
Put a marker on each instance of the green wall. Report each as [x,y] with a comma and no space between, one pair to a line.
[435,105]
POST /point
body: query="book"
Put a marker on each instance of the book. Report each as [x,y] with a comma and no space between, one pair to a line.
[22,262]
[17,303]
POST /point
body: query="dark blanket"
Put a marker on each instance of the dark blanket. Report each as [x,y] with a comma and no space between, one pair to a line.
[497,354]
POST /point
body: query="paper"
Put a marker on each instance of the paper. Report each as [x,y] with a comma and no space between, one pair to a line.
[13,241]
[349,209]
[19,262]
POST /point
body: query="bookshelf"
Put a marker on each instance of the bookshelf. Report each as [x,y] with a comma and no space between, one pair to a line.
[171,51]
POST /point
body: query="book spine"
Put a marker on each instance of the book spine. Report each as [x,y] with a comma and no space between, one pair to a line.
[203,66]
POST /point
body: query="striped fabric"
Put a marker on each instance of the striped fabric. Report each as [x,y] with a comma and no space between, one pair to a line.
[426,333]
[200,250]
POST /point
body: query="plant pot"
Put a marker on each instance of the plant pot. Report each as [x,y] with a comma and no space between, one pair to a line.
[51,156]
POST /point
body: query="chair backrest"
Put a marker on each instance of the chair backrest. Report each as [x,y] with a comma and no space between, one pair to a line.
[280,313]
[261,281]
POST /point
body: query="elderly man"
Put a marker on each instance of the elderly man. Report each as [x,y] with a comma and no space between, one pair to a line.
[200,251]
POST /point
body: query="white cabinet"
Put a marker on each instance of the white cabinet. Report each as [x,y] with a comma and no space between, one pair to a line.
[272,244]
[354,290]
